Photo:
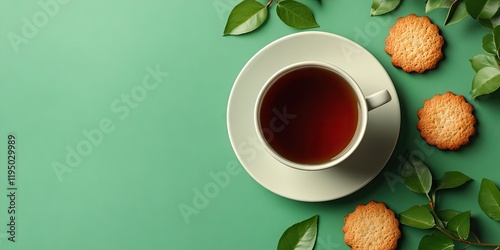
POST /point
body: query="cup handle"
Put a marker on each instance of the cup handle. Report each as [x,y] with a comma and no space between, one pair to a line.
[378,99]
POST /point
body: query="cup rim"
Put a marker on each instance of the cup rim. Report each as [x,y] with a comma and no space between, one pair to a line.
[353,144]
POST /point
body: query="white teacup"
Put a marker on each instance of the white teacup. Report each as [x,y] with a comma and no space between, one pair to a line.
[312,115]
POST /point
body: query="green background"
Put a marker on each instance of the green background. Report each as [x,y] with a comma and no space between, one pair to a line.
[70,70]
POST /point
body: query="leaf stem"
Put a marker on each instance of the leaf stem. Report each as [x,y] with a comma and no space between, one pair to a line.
[430,199]
[475,237]
[438,221]
[269,3]
[468,242]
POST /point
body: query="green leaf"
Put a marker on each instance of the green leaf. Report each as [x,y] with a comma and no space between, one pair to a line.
[486,81]
[486,23]
[436,4]
[456,13]
[489,44]
[459,225]
[447,214]
[417,217]
[452,179]
[496,40]
[296,15]
[482,9]
[300,236]
[416,175]
[489,199]
[436,241]
[245,17]
[481,61]
[495,20]
[432,5]
[491,22]
[380,7]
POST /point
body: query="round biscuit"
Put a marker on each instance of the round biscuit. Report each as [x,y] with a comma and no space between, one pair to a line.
[446,121]
[372,226]
[414,43]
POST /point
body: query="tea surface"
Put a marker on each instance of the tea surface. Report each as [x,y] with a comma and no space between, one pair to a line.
[309,115]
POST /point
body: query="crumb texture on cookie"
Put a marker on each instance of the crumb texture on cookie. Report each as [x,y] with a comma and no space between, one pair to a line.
[371,227]
[414,44]
[446,121]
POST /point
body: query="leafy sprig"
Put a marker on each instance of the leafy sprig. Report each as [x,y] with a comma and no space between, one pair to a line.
[249,15]
[449,225]
[487,14]
[487,78]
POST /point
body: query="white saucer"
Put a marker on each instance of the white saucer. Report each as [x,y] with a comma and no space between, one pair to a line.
[322,185]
